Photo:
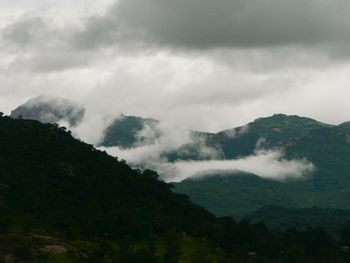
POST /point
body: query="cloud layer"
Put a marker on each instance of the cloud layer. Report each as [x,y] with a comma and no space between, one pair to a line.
[239,23]
[268,164]
[204,65]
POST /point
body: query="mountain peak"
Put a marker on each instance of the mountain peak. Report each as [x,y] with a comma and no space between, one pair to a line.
[284,117]
[47,109]
[287,121]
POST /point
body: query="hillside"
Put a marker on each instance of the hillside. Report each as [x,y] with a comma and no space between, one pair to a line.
[50,182]
[61,200]
[43,170]
[326,146]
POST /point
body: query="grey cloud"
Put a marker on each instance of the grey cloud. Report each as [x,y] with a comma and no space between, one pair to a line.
[264,27]
[38,44]
[97,31]
[24,32]
[226,23]
[51,61]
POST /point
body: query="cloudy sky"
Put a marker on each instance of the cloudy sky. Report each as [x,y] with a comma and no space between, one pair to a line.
[204,64]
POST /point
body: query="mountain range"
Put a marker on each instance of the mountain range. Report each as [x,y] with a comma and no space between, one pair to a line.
[63,200]
[240,193]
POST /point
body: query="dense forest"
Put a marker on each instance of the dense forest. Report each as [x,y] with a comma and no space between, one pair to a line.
[61,200]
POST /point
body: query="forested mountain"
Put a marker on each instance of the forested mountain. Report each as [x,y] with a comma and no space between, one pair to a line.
[327,147]
[239,193]
[52,183]
[61,200]
[44,170]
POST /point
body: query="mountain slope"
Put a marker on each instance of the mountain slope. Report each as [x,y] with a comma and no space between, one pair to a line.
[61,200]
[326,146]
[51,181]
[278,130]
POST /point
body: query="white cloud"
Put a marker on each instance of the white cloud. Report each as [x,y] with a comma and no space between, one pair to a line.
[268,164]
[265,164]
[173,137]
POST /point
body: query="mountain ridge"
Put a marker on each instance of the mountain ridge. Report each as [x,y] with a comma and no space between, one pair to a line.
[324,145]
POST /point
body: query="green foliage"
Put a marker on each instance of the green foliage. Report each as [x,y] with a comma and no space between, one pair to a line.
[172,246]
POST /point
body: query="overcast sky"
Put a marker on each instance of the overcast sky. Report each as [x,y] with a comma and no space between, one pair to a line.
[204,64]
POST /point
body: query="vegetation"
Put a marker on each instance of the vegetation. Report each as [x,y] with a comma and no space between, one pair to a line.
[49,180]
[326,146]
[61,200]
[282,219]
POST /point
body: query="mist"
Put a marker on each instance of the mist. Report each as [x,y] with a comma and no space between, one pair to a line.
[265,164]
[268,164]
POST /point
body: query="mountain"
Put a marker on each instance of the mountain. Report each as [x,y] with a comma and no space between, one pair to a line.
[44,169]
[345,126]
[278,130]
[54,185]
[124,132]
[131,131]
[50,110]
[62,200]
[327,147]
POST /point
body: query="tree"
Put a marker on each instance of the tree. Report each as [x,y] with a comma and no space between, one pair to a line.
[172,246]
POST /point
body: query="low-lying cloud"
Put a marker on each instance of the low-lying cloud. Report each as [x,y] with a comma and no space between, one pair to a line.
[265,164]
[172,139]
[268,164]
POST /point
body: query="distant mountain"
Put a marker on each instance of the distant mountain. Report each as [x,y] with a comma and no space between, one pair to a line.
[326,146]
[124,131]
[345,126]
[50,110]
[131,131]
[278,130]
